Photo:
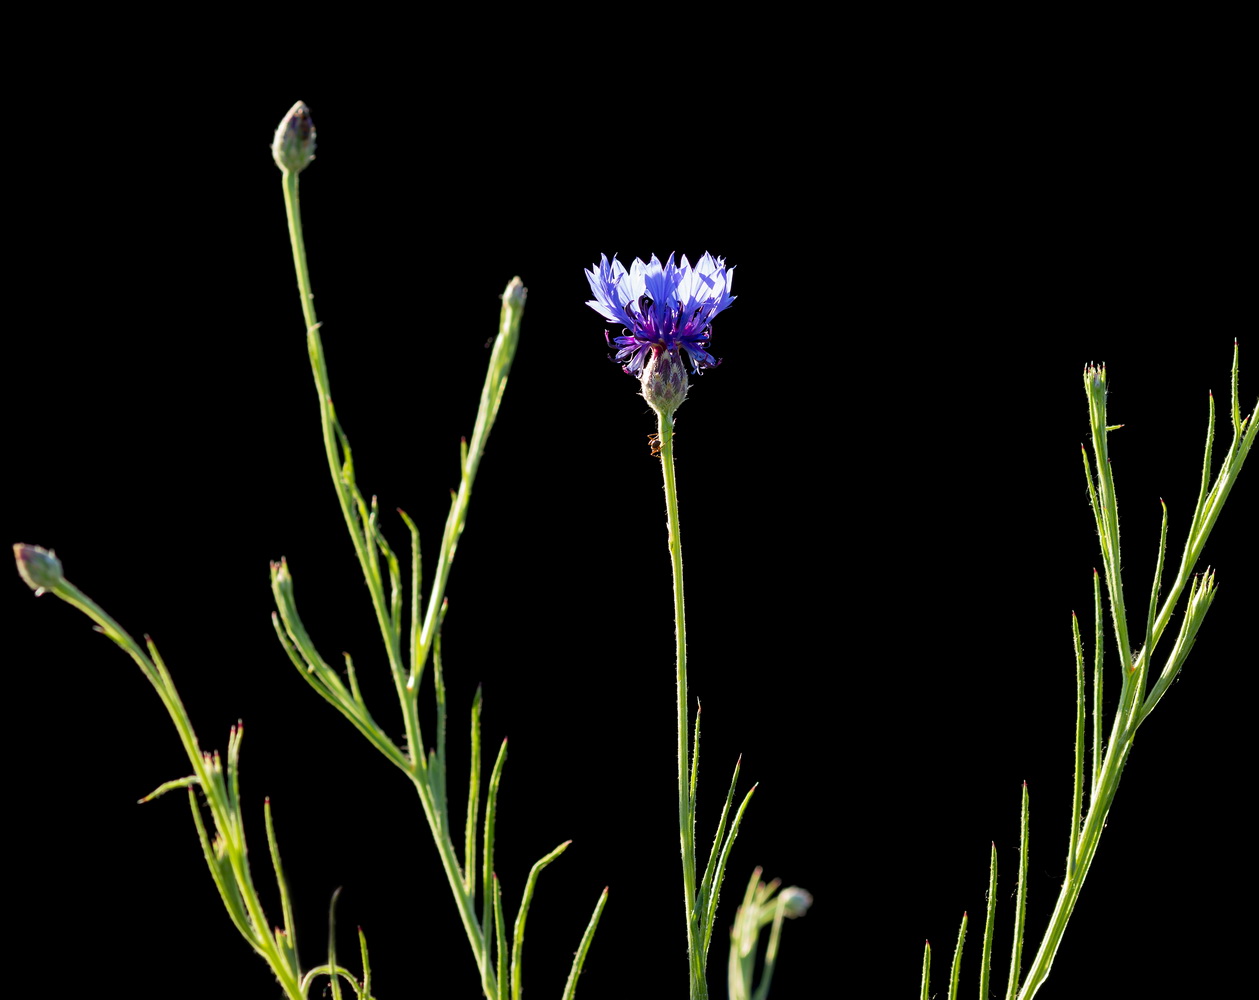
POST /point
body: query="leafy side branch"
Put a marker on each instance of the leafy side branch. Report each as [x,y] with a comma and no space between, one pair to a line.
[1100,771]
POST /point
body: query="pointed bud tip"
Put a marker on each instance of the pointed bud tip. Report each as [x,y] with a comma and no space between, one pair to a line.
[293,147]
[515,293]
[39,568]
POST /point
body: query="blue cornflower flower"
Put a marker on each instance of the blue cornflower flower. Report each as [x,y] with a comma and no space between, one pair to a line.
[664,307]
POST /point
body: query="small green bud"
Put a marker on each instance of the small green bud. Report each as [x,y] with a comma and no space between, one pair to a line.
[40,568]
[664,381]
[795,901]
[294,144]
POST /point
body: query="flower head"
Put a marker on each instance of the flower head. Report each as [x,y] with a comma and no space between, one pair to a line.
[664,307]
[40,568]
[294,145]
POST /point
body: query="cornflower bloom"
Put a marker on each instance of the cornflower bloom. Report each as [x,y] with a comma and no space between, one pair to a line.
[665,307]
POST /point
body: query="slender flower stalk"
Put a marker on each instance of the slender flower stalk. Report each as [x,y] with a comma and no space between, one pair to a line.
[686,799]
[667,311]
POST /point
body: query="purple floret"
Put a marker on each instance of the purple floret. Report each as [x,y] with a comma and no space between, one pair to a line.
[664,307]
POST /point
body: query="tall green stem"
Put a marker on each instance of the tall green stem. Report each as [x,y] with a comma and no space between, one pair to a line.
[371,574]
[686,806]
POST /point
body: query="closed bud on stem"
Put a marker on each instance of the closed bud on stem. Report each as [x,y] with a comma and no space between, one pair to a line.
[294,143]
[795,901]
[664,381]
[40,568]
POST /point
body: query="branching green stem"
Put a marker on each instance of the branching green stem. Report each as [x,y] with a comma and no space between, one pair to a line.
[370,546]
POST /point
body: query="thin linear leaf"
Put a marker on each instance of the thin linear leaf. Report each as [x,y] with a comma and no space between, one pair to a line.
[487,849]
[222,875]
[367,965]
[474,806]
[1020,912]
[990,921]
[1077,794]
[706,883]
[570,987]
[695,759]
[286,903]
[437,776]
[925,992]
[719,873]
[417,575]
[1147,649]
[1098,655]
[518,933]
[957,960]
[332,945]
[169,786]
[500,934]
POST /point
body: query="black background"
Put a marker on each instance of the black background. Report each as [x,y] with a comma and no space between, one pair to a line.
[884,517]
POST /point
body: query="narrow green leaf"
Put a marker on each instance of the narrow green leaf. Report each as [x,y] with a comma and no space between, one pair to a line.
[706,883]
[1099,722]
[699,708]
[990,921]
[1098,520]
[438,776]
[169,786]
[487,840]
[1077,796]
[1095,389]
[417,575]
[234,737]
[957,960]
[1202,592]
[395,576]
[925,992]
[286,903]
[332,946]
[474,794]
[570,988]
[1238,424]
[1020,913]
[1204,489]
[500,933]
[357,714]
[222,875]
[282,591]
[367,965]
[706,927]
[518,934]
[352,676]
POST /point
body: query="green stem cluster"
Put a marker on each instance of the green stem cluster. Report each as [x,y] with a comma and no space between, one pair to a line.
[1109,756]
[426,771]
[226,852]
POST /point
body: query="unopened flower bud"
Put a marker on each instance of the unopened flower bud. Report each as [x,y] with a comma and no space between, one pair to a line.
[795,901]
[40,568]
[294,144]
[664,381]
